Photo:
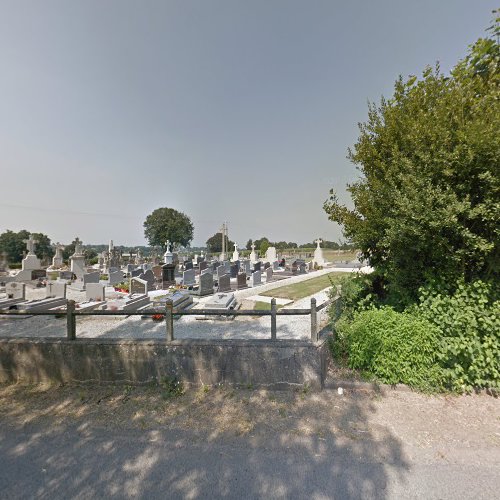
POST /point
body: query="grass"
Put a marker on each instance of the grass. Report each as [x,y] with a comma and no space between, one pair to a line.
[304,288]
[264,306]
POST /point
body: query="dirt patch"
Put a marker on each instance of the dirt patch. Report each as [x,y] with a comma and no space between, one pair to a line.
[440,427]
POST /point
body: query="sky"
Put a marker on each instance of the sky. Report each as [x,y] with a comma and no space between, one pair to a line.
[222,109]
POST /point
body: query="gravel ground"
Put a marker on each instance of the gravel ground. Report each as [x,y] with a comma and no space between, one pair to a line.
[289,327]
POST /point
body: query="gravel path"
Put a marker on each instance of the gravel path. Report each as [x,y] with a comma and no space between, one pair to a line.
[241,327]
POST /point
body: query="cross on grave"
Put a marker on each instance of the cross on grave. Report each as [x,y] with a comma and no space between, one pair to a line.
[318,241]
[253,247]
[30,244]
[78,246]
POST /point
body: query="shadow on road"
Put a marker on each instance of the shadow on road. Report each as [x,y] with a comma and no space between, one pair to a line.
[223,443]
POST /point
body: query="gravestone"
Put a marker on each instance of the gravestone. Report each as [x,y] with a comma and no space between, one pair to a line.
[55,289]
[38,273]
[150,278]
[15,290]
[206,284]
[276,265]
[91,278]
[270,254]
[234,271]
[188,265]
[224,283]
[130,268]
[168,275]
[57,260]
[302,268]
[65,275]
[269,274]
[95,292]
[138,285]
[241,281]
[236,255]
[157,272]
[257,266]
[319,260]
[256,278]
[246,266]
[115,278]
[267,265]
[221,271]
[136,273]
[78,260]
[188,277]
[203,266]
[31,261]
[221,301]
[253,255]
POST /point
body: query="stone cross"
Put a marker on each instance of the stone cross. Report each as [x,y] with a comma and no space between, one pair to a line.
[167,244]
[318,241]
[59,249]
[253,247]
[236,247]
[78,246]
[30,244]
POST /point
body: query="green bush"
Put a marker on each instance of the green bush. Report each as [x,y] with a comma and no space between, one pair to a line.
[395,347]
[469,323]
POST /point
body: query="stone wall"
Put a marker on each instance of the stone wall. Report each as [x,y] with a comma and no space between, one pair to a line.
[260,363]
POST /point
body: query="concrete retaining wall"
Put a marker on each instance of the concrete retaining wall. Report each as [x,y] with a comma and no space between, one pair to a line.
[274,364]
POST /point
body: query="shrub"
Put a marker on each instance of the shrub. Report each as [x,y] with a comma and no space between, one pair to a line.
[396,347]
[469,323]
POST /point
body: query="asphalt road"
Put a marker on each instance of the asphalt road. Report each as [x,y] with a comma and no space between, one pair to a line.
[75,462]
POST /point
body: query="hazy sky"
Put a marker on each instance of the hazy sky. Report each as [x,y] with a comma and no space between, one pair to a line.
[224,110]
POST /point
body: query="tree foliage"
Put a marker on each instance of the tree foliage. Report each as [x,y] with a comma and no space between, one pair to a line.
[214,244]
[427,204]
[13,244]
[167,224]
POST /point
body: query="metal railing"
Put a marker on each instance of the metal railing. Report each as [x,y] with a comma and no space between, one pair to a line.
[72,313]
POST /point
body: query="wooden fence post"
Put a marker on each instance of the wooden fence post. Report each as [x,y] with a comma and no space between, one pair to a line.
[70,320]
[169,319]
[273,319]
[314,321]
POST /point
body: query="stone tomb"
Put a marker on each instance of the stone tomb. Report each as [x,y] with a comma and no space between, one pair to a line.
[15,290]
[203,265]
[168,275]
[115,278]
[95,292]
[221,301]
[55,289]
[91,278]
[206,286]
[224,283]
[188,277]
[269,274]
[150,278]
[256,278]
[241,281]
[138,285]
[234,270]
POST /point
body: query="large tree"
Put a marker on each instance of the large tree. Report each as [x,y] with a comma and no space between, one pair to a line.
[14,245]
[214,244]
[167,224]
[427,203]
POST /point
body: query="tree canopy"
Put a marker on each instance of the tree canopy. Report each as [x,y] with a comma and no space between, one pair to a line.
[167,224]
[214,244]
[427,203]
[13,244]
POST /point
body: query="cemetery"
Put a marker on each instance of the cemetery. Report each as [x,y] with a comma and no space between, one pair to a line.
[206,300]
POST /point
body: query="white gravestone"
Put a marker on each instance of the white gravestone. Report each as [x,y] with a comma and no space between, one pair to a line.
[95,292]
[15,290]
[318,259]
[30,262]
[270,254]
[78,261]
[55,289]
[253,256]
[57,260]
[236,255]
